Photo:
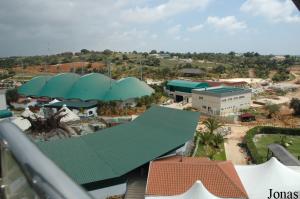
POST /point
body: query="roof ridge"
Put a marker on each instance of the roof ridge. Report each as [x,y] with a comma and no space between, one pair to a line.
[231,181]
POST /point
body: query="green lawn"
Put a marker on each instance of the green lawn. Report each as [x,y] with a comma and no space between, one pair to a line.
[262,141]
[219,155]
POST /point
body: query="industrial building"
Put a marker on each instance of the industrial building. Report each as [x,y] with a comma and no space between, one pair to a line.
[101,162]
[181,90]
[93,86]
[221,101]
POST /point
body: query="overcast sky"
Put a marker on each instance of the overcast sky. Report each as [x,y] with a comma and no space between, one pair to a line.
[31,27]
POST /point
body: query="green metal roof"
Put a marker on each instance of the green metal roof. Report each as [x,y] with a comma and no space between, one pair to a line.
[128,88]
[187,84]
[224,90]
[5,113]
[34,86]
[115,151]
[59,85]
[91,87]
[73,104]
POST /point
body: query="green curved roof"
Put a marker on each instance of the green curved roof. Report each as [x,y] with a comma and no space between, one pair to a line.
[34,86]
[93,86]
[59,85]
[90,87]
[128,88]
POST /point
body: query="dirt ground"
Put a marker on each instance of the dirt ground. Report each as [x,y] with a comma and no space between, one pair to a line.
[58,68]
[232,150]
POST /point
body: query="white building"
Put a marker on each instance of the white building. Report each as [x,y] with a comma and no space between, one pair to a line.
[3,104]
[221,101]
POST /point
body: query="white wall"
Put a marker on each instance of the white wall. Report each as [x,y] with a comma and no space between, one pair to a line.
[115,190]
[221,106]
[3,104]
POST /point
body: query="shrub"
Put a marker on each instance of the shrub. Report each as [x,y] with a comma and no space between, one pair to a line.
[248,139]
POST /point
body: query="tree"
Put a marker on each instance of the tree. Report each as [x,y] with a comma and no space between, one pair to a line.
[218,139]
[205,138]
[272,109]
[212,124]
[295,105]
[124,57]
[107,52]
[84,51]
[12,95]
[153,52]
[220,69]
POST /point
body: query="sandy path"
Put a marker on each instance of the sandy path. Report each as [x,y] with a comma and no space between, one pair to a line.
[232,150]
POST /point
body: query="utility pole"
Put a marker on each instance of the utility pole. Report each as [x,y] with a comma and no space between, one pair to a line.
[141,67]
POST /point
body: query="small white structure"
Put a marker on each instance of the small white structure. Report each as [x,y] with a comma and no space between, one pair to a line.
[3,104]
[197,191]
[259,179]
[69,115]
[22,123]
[221,101]
[28,113]
[54,101]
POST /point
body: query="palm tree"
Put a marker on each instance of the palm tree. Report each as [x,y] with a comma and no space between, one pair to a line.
[218,139]
[212,124]
[205,138]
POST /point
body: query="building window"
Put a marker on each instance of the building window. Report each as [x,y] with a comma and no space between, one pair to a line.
[204,107]
[242,97]
[224,100]
[200,98]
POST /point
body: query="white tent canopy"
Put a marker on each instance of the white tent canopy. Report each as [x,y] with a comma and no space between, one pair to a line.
[259,179]
[28,113]
[54,101]
[23,124]
[70,116]
[197,191]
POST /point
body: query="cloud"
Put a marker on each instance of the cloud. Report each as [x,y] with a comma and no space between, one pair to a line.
[174,29]
[273,10]
[171,8]
[229,23]
[195,28]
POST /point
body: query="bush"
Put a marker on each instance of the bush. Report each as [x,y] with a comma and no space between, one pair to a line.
[248,139]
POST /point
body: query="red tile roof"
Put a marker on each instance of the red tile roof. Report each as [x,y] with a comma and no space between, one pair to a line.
[175,175]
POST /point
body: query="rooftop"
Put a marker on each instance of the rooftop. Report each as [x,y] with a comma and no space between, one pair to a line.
[176,175]
[93,86]
[188,84]
[73,104]
[283,155]
[222,91]
[115,151]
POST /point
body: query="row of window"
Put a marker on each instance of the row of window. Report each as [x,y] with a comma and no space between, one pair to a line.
[234,98]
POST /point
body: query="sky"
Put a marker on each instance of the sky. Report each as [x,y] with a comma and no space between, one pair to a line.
[35,27]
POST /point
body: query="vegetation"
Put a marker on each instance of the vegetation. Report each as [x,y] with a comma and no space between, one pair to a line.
[295,105]
[291,143]
[156,65]
[272,110]
[12,95]
[212,153]
[254,151]
[211,144]
[212,124]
